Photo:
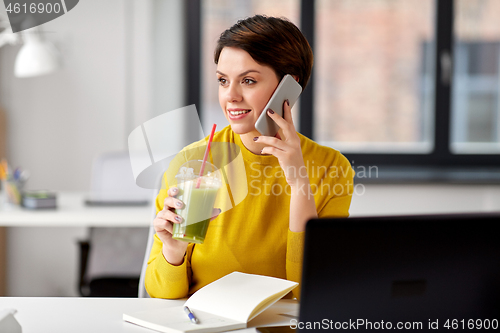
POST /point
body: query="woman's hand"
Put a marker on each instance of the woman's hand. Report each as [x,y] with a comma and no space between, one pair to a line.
[289,154]
[287,150]
[173,249]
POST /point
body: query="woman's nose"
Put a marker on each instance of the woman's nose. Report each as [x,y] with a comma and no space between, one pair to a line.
[233,93]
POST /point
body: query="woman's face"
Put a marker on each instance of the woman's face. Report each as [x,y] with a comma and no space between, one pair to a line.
[245,87]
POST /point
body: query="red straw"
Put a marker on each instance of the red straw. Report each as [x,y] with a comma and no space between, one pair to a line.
[206,156]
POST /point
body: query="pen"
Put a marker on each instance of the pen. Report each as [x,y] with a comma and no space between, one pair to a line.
[17,173]
[190,315]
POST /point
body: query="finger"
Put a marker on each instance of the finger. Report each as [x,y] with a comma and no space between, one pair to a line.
[271,141]
[172,203]
[287,114]
[173,191]
[278,153]
[163,225]
[169,215]
[286,126]
[170,228]
[215,213]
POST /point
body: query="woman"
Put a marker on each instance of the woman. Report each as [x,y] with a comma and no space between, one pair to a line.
[264,233]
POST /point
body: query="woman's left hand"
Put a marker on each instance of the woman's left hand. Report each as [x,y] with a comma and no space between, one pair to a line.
[287,150]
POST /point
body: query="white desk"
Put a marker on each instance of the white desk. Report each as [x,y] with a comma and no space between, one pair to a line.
[70,219]
[75,315]
[72,212]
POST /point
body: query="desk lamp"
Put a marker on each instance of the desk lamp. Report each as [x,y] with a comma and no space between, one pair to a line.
[36,56]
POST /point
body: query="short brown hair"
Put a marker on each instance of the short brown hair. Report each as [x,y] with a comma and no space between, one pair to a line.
[271,41]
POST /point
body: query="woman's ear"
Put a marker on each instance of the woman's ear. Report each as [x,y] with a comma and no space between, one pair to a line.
[296,77]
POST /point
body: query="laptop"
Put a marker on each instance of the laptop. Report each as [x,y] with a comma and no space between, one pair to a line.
[418,273]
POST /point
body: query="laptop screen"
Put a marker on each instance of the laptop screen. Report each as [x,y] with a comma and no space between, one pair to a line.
[419,273]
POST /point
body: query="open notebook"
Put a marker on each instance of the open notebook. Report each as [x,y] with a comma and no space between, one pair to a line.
[225,304]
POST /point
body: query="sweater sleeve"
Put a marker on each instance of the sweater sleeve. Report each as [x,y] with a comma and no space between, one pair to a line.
[164,280]
[338,200]
[294,252]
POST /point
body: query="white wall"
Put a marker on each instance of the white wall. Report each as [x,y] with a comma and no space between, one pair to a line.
[168,57]
[122,64]
[59,122]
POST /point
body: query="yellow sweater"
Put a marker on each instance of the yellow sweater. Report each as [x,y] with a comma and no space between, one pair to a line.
[253,236]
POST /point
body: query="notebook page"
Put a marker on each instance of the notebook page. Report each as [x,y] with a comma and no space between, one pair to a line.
[237,294]
[174,319]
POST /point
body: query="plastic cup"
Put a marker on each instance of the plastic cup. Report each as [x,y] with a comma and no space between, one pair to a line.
[198,202]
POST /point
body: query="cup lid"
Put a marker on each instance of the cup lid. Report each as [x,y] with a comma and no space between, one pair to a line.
[191,170]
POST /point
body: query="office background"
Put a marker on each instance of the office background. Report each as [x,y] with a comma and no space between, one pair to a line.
[124,62]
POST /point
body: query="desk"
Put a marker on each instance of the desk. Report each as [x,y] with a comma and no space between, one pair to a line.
[71,212]
[369,200]
[75,315]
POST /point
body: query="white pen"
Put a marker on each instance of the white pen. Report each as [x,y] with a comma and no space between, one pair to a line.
[191,316]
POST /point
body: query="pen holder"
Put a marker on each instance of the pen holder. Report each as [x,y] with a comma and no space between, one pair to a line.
[11,190]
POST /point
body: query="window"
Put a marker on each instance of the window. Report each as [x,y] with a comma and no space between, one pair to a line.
[371,94]
[476,88]
[399,84]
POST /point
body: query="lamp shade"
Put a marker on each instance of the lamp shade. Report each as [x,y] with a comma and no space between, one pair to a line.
[35,57]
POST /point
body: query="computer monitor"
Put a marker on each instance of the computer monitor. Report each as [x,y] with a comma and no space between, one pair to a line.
[418,273]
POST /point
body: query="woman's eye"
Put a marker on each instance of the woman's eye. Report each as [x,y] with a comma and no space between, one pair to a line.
[222,81]
[249,81]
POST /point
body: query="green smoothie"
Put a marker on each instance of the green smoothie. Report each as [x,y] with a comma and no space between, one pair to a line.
[197,210]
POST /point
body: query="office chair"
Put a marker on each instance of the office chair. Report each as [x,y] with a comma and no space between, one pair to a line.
[142,293]
[111,262]
[111,258]
[141,287]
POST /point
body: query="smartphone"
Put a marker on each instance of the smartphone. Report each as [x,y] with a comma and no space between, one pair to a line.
[287,89]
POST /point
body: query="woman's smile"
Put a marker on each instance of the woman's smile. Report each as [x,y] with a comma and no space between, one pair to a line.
[237,114]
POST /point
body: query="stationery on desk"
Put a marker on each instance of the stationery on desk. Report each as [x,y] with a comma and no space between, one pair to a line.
[228,303]
[10,185]
[40,199]
[12,182]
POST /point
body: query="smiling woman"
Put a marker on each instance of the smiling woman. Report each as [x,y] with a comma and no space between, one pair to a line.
[245,88]
[264,233]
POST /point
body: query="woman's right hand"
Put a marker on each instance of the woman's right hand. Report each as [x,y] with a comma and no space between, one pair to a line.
[173,249]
